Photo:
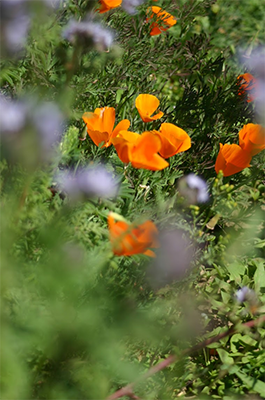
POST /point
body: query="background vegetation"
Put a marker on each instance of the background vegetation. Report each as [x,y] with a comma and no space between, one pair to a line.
[77,321]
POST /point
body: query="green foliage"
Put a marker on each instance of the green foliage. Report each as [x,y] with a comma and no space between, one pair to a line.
[79,322]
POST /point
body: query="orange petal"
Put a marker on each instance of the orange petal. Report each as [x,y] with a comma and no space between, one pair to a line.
[122,126]
[123,144]
[98,137]
[100,124]
[107,118]
[252,138]
[163,20]
[106,5]
[174,140]
[146,105]
[231,159]
[144,153]
[128,240]
[247,84]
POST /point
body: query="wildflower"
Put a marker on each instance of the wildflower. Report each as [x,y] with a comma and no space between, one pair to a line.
[146,105]
[107,5]
[30,130]
[101,37]
[140,150]
[127,239]
[100,125]
[130,5]
[194,189]
[163,20]
[231,159]
[252,138]
[173,259]
[88,183]
[246,295]
[173,139]
[247,84]
[15,23]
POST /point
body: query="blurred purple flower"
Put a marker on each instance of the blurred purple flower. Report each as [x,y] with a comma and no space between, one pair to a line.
[88,182]
[15,22]
[49,123]
[101,37]
[255,64]
[173,259]
[245,294]
[12,116]
[26,125]
[194,189]
[130,5]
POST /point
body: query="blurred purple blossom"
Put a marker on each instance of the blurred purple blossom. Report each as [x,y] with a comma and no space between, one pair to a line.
[255,64]
[15,22]
[194,189]
[245,294]
[130,5]
[88,182]
[27,125]
[12,116]
[101,37]
[173,259]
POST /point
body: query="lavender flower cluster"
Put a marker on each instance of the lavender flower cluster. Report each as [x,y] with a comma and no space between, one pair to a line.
[26,127]
[15,18]
[89,182]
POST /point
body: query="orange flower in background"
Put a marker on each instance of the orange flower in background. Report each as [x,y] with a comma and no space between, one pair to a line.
[252,138]
[247,83]
[173,139]
[232,159]
[106,5]
[162,20]
[146,105]
[127,239]
[100,125]
[141,150]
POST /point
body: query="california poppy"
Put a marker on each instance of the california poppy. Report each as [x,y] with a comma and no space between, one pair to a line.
[127,239]
[247,84]
[141,150]
[146,105]
[252,138]
[100,125]
[106,5]
[162,20]
[173,139]
[231,159]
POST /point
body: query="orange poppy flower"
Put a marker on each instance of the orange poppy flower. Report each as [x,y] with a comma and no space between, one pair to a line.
[146,105]
[127,239]
[231,159]
[247,83]
[252,138]
[163,20]
[106,5]
[141,150]
[100,125]
[173,139]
